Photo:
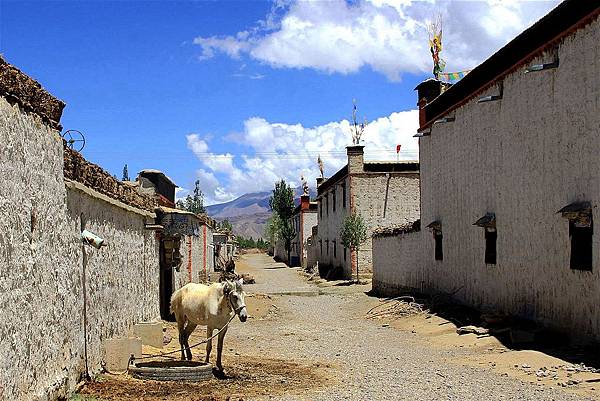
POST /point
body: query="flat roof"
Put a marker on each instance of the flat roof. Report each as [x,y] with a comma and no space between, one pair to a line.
[561,21]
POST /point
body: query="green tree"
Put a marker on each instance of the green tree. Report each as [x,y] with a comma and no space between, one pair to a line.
[353,234]
[125,174]
[225,225]
[193,203]
[282,204]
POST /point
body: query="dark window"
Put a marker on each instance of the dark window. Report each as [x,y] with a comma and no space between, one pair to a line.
[344,195]
[334,249]
[321,245]
[327,245]
[439,250]
[334,198]
[490,246]
[344,254]
[581,246]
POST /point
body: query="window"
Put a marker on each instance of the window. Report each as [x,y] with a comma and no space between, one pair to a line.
[344,195]
[581,231]
[581,246]
[327,245]
[488,222]
[490,246]
[334,249]
[334,198]
[439,250]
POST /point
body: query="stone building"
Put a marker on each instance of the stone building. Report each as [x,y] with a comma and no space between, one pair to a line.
[383,193]
[303,219]
[185,238]
[62,299]
[510,181]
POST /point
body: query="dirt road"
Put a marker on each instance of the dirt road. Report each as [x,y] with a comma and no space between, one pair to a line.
[312,342]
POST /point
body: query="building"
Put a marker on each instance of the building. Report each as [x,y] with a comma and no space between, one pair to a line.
[225,248]
[383,193]
[303,219]
[61,298]
[186,248]
[510,181]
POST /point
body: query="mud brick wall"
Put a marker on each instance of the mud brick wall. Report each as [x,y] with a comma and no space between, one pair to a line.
[42,257]
[78,169]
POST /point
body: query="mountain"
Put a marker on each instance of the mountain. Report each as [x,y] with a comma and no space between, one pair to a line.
[249,213]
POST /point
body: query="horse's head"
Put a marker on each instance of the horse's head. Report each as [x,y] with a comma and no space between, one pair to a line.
[235,296]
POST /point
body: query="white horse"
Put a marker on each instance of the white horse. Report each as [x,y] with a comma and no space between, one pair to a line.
[211,306]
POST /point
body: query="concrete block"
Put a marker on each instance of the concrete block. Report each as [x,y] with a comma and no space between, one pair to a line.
[151,333]
[118,351]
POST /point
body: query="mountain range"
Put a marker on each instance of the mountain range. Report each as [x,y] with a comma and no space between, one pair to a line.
[249,213]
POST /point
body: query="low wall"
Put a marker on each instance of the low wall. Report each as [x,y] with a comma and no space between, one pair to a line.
[398,263]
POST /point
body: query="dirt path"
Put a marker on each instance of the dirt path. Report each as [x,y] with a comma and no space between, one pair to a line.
[309,342]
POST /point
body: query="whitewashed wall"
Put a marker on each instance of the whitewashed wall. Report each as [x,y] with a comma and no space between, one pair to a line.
[523,158]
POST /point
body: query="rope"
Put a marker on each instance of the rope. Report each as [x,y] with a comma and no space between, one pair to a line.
[163,354]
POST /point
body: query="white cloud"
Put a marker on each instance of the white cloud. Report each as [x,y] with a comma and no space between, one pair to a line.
[389,36]
[279,150]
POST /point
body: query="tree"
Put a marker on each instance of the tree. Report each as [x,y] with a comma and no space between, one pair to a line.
[225,225]
[282,205]
[193,203]
[353,233]
[125,174]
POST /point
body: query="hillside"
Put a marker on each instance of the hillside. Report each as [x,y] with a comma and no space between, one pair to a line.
[248,214]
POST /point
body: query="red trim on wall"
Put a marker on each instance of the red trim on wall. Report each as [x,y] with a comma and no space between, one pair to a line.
[204,240]
[189,266]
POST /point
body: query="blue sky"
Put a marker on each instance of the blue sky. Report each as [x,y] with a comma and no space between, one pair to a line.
[238,94]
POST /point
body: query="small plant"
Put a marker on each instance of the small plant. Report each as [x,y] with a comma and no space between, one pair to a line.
[353,234]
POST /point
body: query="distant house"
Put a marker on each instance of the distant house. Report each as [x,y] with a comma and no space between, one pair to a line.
[303,219]
[383,193]
[510,181]
[186,248]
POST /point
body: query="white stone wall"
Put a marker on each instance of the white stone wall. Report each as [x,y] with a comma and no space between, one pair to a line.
[194,267]
[330,222]
[523,158]
[309,220]
[41,265]
[383,200]
[398,263]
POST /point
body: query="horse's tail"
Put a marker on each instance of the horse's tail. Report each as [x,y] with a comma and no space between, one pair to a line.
[176,301]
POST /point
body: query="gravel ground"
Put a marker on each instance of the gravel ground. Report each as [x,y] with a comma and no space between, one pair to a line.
[367,360]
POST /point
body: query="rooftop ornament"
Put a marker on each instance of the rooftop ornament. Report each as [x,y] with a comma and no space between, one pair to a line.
[320,164]
[305,190]
[357,129]
[74,139]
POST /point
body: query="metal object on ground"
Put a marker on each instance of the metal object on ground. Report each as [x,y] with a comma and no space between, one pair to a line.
[172,370]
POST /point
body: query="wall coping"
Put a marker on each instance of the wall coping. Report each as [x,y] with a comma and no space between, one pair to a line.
[17,87]
[70,184]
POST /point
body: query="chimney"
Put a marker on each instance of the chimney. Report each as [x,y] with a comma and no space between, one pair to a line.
[355,158]
[427,91]
[304,202]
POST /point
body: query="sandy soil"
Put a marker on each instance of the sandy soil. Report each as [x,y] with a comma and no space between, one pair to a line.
[312,341]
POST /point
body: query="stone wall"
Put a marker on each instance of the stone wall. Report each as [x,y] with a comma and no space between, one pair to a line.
[193,267]
[383,200]
[523,158]
[78,169]
[42,258]
[397,261]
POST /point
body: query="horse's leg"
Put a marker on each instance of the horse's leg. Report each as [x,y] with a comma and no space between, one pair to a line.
[209,331]
[181,330]
[220,347]
[189,328]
